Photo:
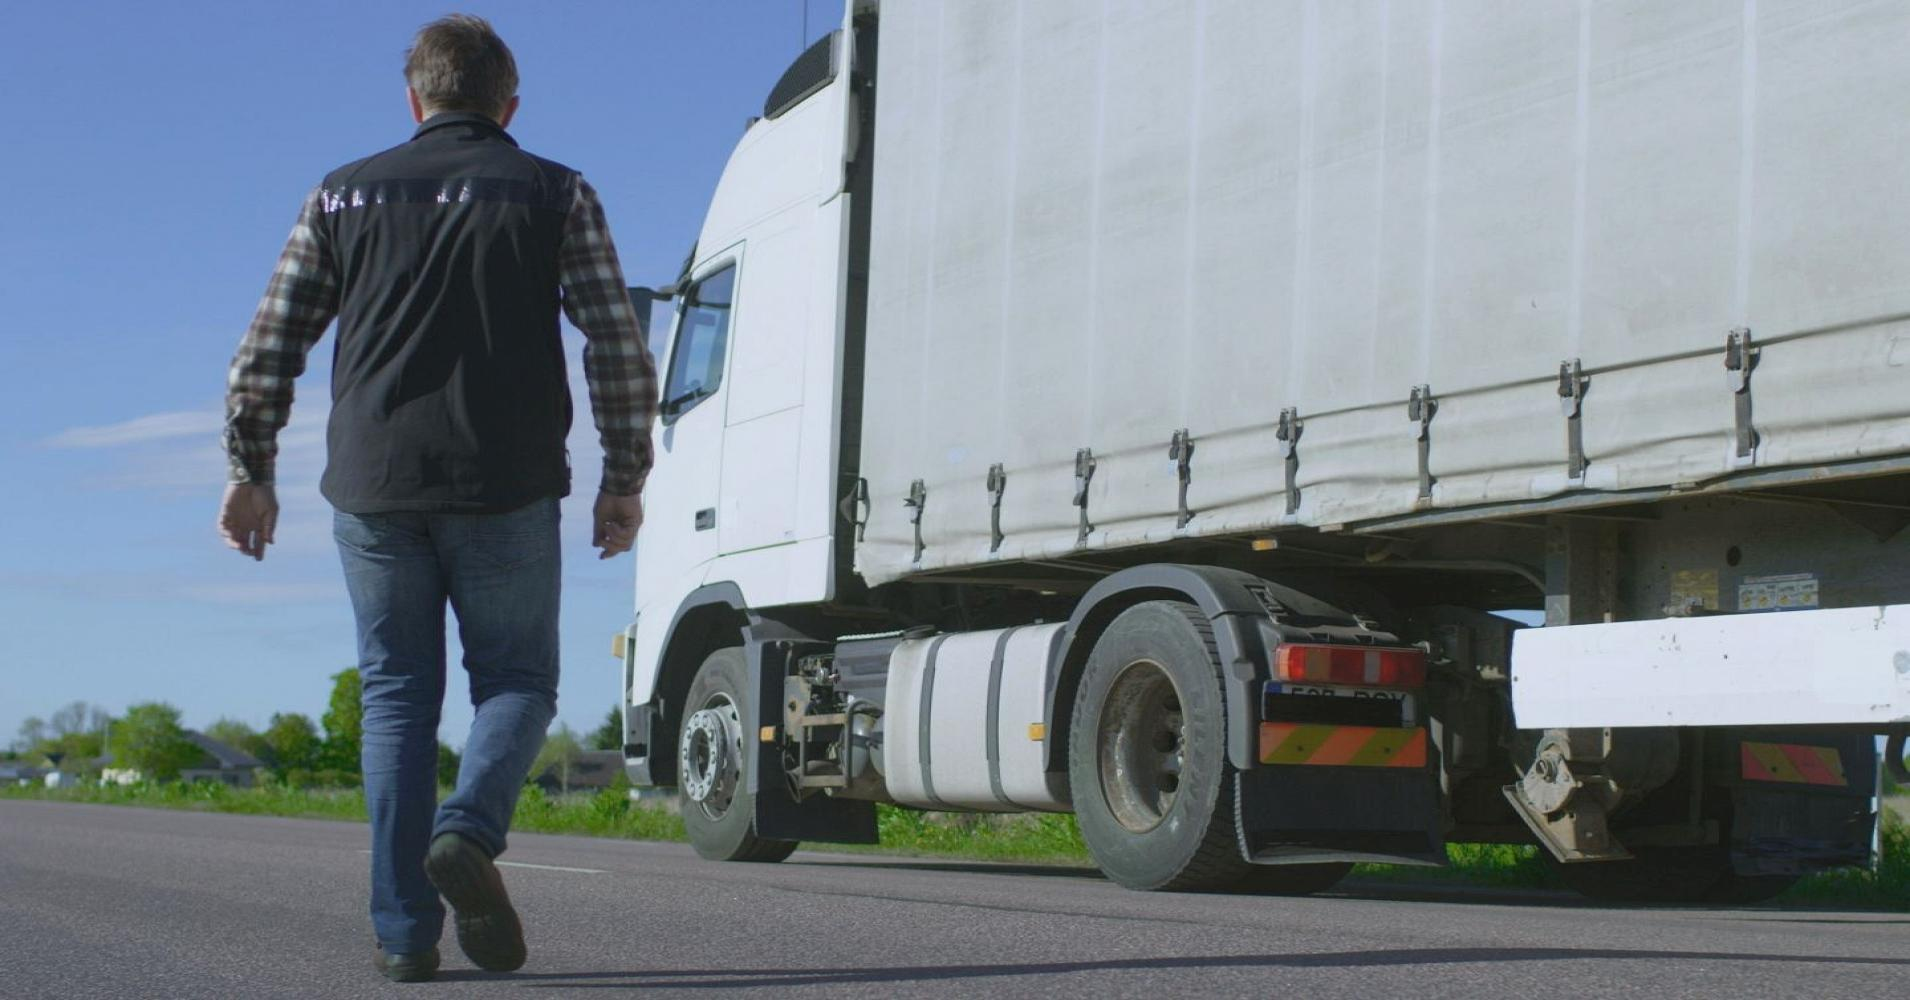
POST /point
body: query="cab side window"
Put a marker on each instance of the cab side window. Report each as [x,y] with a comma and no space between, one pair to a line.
[702,340]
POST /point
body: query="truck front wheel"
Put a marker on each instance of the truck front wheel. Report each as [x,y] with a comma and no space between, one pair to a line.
[719,813]
[1153,791]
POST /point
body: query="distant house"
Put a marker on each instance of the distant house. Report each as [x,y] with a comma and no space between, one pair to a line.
[110,775]
[223,763]
[219,762]
[592,770]
[14,772]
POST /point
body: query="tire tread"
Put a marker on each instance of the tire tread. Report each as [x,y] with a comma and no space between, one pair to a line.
[749,846]
[1217,862]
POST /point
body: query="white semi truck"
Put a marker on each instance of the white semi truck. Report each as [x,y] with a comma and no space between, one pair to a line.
[1140,409]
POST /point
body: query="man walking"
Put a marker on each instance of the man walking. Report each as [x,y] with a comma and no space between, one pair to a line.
[446,261]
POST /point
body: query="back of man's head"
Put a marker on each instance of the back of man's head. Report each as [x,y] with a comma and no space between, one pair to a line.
[457,63]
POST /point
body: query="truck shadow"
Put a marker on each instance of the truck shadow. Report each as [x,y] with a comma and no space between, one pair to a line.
[1404,890]
[732,979]
[955,867]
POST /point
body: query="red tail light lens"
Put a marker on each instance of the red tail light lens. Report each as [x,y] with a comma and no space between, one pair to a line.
[1359,666]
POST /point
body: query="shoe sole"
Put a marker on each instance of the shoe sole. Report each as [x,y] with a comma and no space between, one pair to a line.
[488,929]
[408,969]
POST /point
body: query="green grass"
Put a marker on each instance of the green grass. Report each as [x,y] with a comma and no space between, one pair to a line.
[1506,866]
[1041,838]
[270,800]
[1034,838]
[1888,887]
[608,813]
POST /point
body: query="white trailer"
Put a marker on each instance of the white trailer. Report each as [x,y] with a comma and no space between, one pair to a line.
[1137,409]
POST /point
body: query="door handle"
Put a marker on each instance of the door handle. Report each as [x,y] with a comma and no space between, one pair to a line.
[706,519]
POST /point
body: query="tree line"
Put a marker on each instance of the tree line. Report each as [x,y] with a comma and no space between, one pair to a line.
[151,738]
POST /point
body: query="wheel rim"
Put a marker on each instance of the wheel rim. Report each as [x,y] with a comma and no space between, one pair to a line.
[711,755]
[1141,746]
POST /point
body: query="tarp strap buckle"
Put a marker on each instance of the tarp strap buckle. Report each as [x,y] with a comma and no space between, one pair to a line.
[1181,449]
[1083,474]
[1572,386]
[915,501]
[1420,407]
[1289,434]
[1739,359]
[997,482]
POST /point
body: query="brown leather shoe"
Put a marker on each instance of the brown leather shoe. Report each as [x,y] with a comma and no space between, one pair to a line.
[488,929]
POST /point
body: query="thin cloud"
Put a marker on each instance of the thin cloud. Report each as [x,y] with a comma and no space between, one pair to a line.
[181,451]
[140,430]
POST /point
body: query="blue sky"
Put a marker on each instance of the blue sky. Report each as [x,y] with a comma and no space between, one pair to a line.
[156,157]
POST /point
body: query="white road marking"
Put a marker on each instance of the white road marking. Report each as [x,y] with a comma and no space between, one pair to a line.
[550,868]
[545,868]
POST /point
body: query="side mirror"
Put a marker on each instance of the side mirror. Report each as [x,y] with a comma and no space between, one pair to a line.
[663,293]
[645,301]
[641,299]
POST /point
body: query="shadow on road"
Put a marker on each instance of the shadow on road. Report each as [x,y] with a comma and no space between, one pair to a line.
[730,979]
[1379,889]
[961,867]
[1564,899]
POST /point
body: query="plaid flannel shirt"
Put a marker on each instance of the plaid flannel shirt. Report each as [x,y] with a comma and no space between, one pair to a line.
[302,298]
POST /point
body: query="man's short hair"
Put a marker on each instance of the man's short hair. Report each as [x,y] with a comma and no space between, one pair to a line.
[457,63]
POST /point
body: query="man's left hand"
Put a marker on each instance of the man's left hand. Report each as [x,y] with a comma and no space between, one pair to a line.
[248,516]
[614,523]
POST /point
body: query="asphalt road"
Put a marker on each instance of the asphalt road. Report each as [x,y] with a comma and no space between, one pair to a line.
[104,901]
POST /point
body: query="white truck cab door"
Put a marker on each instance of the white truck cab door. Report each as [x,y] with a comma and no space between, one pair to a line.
[679,528]
[746,485]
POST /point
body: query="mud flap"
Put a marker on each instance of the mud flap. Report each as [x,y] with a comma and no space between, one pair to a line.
[1800,799]
[639,722]
[1303,814]
[778,815]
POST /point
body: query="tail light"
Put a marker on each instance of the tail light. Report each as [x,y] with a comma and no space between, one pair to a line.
[1354,665]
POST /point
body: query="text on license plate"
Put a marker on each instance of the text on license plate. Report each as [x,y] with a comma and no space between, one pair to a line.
[1332,691]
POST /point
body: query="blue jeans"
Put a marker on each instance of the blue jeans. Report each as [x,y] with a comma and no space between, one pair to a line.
[499,573]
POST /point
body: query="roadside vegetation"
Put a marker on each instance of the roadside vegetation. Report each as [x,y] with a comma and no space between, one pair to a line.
[310,770]
[86,744]
[1043,839]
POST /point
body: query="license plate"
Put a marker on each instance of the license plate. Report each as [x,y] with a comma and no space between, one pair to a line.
[1333,691]
[1404,699]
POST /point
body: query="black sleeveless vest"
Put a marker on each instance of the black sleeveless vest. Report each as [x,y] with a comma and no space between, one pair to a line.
[448,385]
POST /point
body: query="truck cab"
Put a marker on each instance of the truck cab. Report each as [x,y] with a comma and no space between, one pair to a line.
[744,491]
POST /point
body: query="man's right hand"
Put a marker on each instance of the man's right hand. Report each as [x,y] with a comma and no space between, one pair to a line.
[248,516]
[614,523]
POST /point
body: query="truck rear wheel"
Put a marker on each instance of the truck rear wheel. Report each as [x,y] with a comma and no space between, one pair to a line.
[719,813]
[1153,791]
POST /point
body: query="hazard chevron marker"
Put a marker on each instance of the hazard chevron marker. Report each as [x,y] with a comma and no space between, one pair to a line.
[1346,746]
[1792,763]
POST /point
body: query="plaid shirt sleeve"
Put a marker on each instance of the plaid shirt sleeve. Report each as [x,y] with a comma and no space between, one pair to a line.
[617,365]
[299,303]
